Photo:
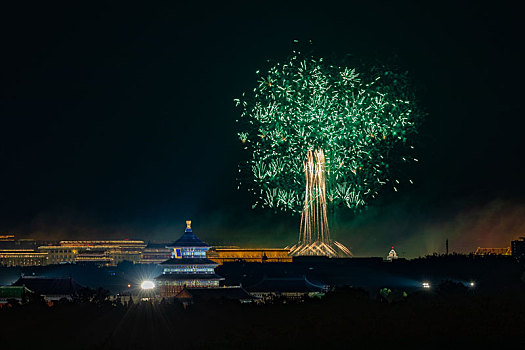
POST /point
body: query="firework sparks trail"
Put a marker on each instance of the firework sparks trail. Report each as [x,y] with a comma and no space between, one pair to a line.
[314,238]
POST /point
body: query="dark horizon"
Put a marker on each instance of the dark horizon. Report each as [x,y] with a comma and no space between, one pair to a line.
[119,121]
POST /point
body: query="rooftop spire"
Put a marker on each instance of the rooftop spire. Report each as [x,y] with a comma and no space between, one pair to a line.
[188,225]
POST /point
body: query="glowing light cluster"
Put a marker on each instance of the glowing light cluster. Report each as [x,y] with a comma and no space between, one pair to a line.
[306,105]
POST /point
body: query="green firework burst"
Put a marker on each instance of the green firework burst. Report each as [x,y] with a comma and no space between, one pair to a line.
[364,122]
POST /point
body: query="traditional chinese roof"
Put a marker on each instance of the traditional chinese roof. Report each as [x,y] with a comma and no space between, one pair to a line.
[188,239]
[188,276]
[286,285]
[49,285]
[229,293]
[189,261]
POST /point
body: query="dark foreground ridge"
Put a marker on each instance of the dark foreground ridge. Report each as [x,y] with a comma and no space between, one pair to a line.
[471,302]
[346,317]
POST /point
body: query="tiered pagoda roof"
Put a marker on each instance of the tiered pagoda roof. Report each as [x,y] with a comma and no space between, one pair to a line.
[188,239]
[188,265]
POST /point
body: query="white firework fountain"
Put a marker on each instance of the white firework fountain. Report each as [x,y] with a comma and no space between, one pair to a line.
[314,235]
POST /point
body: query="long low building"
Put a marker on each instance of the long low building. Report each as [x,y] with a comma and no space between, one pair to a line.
[99,252]
[22,257]
[261,255]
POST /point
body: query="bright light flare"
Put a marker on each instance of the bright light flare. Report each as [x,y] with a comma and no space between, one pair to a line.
[147,285]
[472,284]
[426,285]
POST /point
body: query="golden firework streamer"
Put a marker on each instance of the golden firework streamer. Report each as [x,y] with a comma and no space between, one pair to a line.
[314,237]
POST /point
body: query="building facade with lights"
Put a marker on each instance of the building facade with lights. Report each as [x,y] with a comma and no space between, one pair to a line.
[105,253]
[188,266]
[155,253]
[261,255]
[22,257]
[21,252]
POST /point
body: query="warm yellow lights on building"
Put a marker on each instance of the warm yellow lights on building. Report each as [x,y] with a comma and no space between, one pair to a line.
[222,255]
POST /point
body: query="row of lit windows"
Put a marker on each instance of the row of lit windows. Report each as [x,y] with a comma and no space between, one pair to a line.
[22,256]
[184,268]
[22,262]
[190,283]
[194,251]
[188,270]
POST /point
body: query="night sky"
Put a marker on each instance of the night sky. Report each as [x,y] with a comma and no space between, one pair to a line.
[118,121]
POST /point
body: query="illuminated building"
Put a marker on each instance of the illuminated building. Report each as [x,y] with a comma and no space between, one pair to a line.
[391,255]
[188,266]
[222,255]
[59,254]
[21,252]
[155,253]
[99,257]
[22,257]
[518,248]
[9,242]
[120,255]
[108,253]
[492,251]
